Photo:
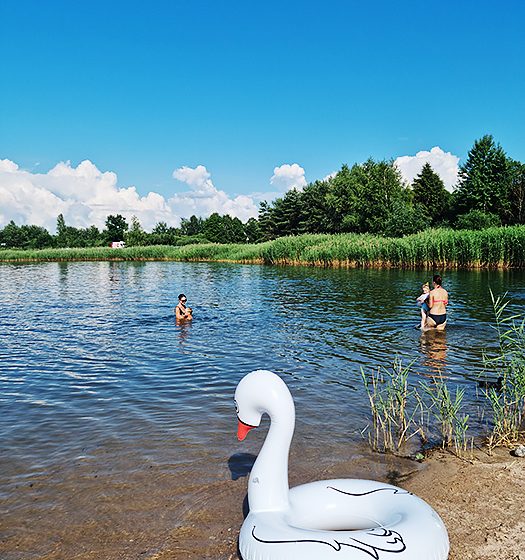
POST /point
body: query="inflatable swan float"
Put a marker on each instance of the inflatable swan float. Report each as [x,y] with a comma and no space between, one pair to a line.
[342,519]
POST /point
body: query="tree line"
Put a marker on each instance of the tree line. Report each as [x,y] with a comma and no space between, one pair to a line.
[369,197]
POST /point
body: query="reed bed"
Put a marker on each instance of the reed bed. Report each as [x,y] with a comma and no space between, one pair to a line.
[501,247]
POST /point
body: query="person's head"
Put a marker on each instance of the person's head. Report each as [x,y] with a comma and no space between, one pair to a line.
[425,287]
[182,298]
[437,280]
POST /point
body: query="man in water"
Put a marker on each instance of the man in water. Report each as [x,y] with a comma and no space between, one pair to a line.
[182,312]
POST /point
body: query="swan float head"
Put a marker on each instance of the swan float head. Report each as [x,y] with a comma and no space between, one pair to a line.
[342,519]
[262,392]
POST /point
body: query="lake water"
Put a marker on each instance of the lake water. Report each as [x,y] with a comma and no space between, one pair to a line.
[111,415]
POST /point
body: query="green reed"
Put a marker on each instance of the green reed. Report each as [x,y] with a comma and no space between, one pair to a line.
[507,398]
[501,247]
[446,408]
[393,420]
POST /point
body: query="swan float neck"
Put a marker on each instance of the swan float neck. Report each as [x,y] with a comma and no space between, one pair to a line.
[262,392]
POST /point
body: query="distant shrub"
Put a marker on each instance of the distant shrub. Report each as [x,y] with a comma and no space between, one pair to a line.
[476,219]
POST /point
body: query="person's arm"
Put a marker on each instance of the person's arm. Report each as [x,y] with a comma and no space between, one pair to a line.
[178,313]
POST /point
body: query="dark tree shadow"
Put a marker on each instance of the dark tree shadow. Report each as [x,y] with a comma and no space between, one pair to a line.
[241,464]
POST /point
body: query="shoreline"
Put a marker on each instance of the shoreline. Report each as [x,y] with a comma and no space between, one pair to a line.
[350,265]
[480,501]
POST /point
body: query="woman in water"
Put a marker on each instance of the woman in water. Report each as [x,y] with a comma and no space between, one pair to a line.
[181,311]
[437,301]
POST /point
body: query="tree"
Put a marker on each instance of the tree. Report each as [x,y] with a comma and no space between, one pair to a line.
[287,214]
[362,198]
[315,211]
[213,228]
[12,236]
[252,231]
[484,179]
[266,221]
[116,227]
[517,192]
[193,226]
[136,235]
[430,193]
[233,230]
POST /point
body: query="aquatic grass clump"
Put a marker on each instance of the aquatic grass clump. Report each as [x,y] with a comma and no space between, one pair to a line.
[446,407]
[393,420]
[507,399]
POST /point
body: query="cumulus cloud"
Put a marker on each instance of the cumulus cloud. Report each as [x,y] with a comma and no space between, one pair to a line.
[85,196]
[288,177]
[329,176]
[204,198]
[445,164]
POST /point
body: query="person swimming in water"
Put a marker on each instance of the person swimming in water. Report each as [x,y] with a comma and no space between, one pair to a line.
[182,312]
[422,300]
[437,301]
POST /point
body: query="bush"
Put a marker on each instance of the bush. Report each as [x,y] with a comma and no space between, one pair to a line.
[476,219]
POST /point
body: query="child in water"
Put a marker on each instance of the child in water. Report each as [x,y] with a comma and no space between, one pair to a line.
[422,300]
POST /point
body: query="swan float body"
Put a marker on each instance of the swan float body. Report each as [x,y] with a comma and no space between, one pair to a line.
[342,519]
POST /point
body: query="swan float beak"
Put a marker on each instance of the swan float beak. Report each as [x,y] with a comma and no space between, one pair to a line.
[242,430]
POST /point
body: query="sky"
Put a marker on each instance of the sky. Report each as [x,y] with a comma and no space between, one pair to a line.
[163,109]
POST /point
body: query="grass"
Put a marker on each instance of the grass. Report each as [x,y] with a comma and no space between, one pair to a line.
[445,407]
[507,401]
[502,247]
[389,395]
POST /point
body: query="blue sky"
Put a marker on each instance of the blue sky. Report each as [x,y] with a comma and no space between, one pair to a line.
[142,89]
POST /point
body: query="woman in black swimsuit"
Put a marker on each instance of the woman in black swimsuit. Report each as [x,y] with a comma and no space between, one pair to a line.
[181,311]
[437,301]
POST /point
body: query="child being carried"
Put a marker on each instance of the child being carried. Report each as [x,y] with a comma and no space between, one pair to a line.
[422,301]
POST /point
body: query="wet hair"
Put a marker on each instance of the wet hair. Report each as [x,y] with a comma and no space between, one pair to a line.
[437,279]
[182,296]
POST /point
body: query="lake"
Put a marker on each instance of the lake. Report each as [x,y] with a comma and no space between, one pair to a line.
[115,420]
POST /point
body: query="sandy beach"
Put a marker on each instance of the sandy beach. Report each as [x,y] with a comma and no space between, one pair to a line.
[481,502]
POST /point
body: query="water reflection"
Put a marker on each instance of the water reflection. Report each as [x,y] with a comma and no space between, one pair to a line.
[183,329]
[433,346]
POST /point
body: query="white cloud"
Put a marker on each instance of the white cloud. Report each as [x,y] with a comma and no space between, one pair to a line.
[204,198]
[445,164]
[86,195]
[288,176]
[329,176]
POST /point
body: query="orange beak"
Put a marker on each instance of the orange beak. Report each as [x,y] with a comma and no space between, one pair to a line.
[242,430]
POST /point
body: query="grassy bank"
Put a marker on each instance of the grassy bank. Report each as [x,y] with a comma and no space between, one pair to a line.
[502,247]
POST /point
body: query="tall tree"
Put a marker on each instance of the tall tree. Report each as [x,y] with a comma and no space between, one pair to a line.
[484,179]
[266,221]
[135,235]
[116,227]
[430,193]
[517,192]
[252,230]
[193,226]
[287,214]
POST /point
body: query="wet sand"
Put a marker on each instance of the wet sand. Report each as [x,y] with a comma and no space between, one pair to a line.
[481,502]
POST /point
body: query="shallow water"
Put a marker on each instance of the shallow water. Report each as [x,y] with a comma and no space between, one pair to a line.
[111,414]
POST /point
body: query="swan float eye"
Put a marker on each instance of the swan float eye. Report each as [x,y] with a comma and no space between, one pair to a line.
[236,406]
